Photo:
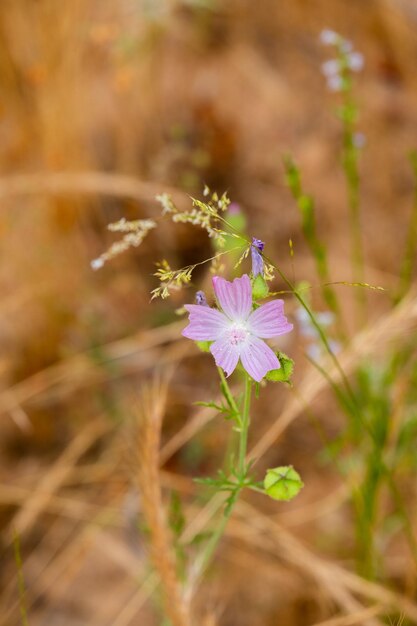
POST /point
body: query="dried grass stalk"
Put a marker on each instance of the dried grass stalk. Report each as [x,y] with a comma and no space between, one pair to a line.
[330,576]
[150,414]
[90,182]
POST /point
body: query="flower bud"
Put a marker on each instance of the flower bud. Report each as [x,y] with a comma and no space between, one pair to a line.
[257,260]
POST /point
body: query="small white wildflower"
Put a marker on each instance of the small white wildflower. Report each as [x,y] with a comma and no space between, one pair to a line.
[329,37]
[330,68]
[96,264]
[315,349]
[335,83]
[355,61]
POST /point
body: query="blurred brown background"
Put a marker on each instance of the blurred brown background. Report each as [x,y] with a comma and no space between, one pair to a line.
[103,105]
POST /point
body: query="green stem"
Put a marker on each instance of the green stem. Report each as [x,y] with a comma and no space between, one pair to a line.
[243,438]
[227,393]
[406,271]
[210,547]
[306,205]
[351,171]
[244,421]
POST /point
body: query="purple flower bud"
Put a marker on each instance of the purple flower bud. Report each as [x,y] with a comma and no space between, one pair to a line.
[258,244]
[200,298]
[257,260]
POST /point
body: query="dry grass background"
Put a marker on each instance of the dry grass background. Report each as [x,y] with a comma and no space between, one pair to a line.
[104,104]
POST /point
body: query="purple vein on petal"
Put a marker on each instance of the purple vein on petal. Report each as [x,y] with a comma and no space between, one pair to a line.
[235,298]
[258,358]
[206,324]
[225,354]
[269,320]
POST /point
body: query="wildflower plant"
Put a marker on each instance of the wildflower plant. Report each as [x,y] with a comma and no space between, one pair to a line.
[338,71]
[235,322]
[235,331]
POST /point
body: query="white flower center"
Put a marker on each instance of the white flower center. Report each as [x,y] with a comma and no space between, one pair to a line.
[237,334]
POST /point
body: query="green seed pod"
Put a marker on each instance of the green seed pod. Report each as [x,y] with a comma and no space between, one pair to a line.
[282,483]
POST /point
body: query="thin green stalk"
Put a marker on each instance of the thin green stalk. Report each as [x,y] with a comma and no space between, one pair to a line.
[367,509]
[306,204]
[411,244]
[243,438]
[227,393]
[211,545]
[351,171]
[318,328]
[244,421]
[350,405]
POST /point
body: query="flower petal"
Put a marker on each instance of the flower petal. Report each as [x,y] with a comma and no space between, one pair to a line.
[258,358]
[206,324]
[225,354]
[269,320]
[235,298]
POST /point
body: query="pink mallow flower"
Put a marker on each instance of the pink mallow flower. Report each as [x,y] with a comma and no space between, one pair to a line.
[236,330]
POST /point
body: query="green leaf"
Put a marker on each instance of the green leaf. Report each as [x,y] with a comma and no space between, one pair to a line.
[282,483]
[204,345]
[212,405]
[284,373]
[260,288]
